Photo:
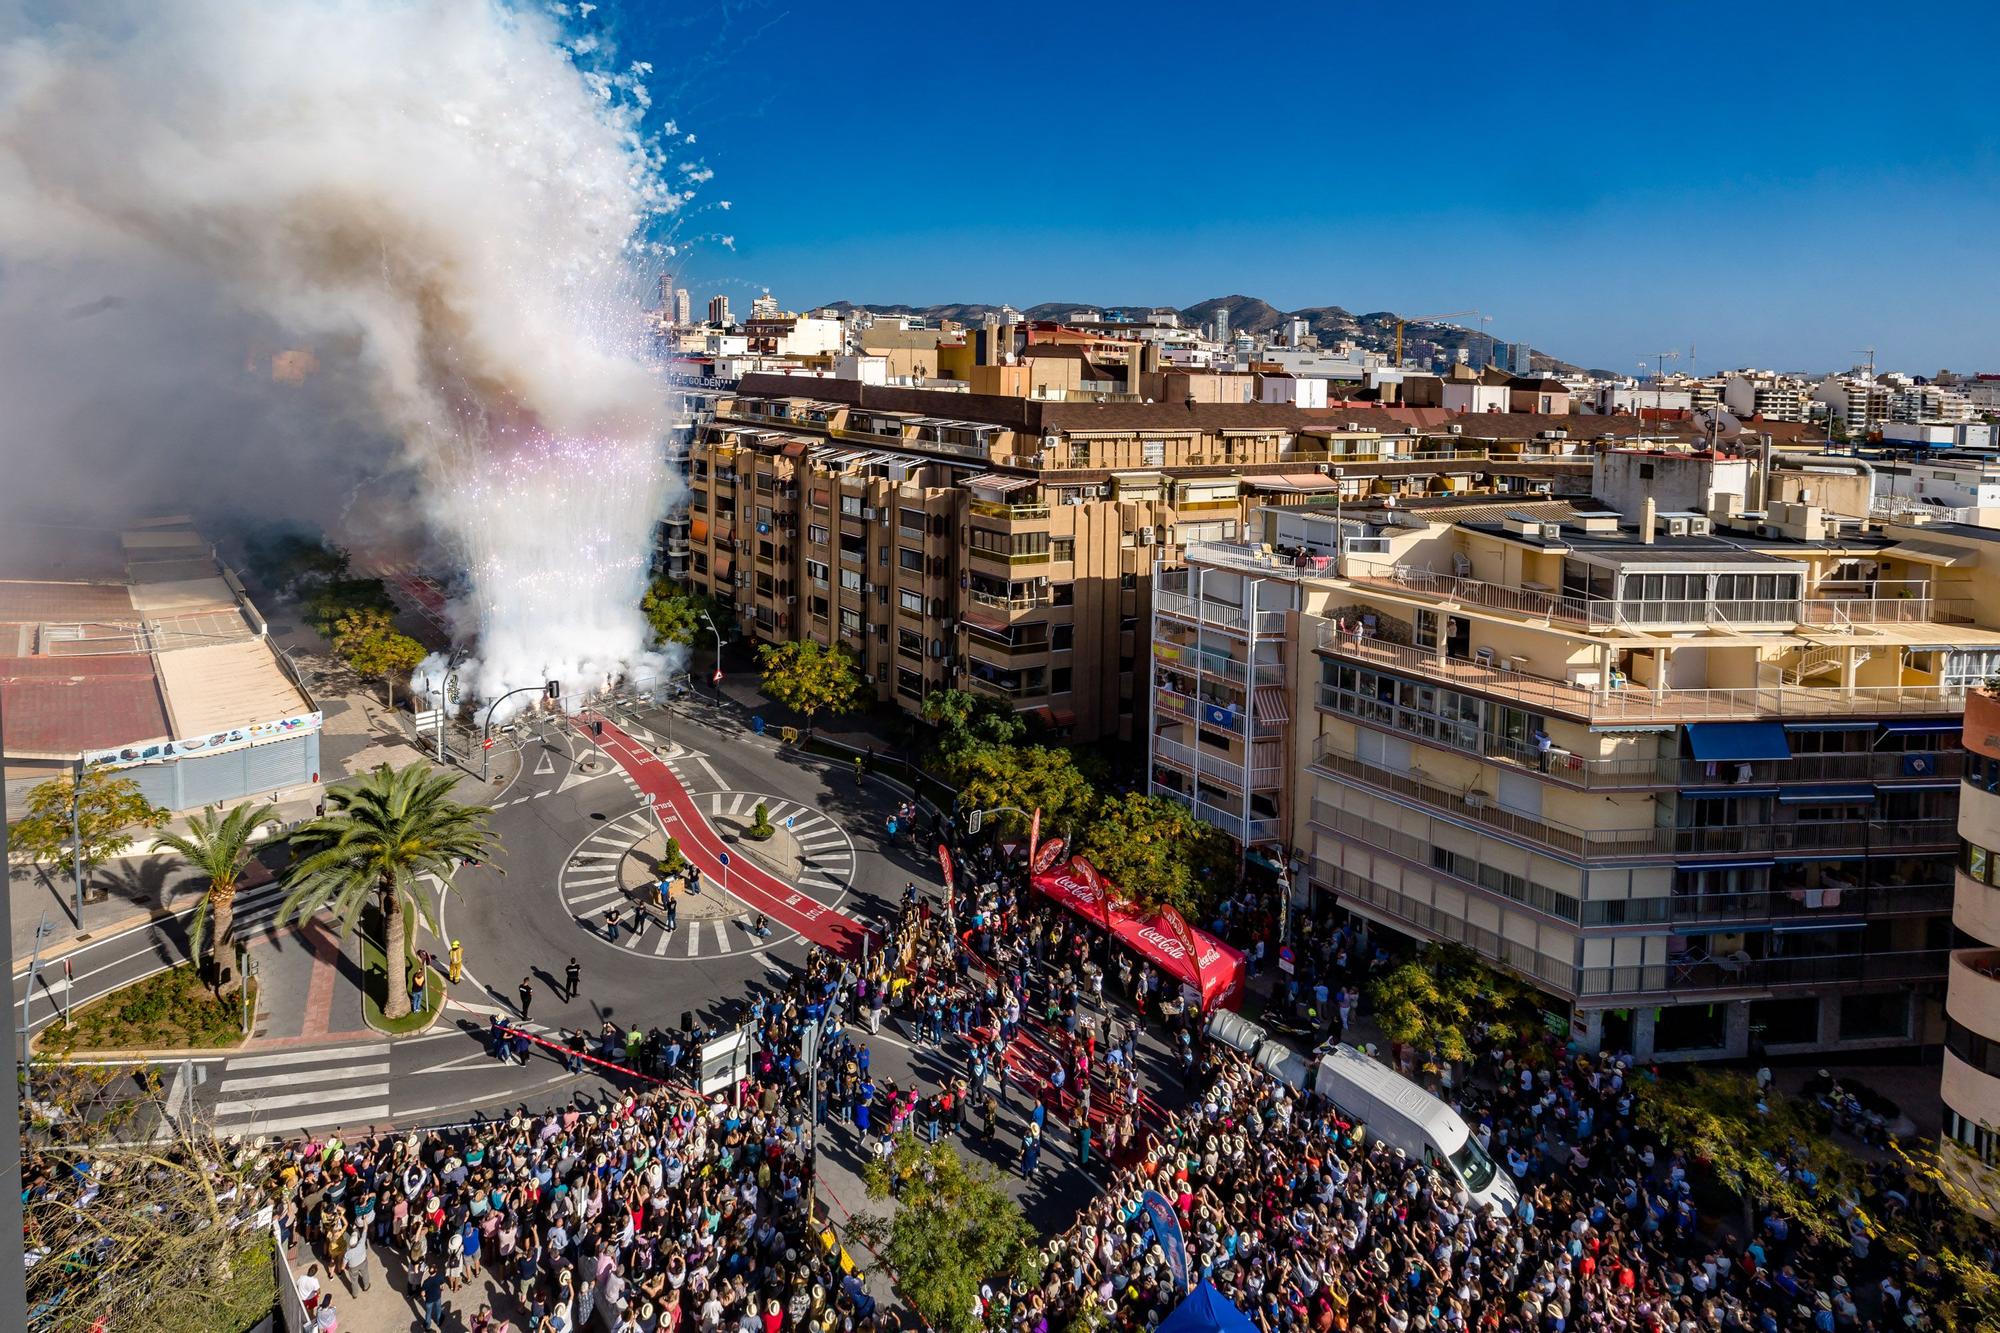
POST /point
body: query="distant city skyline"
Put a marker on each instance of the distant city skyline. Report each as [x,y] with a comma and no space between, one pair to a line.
[1604,184]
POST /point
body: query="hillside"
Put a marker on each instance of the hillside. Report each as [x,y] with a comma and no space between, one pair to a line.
[1375,331]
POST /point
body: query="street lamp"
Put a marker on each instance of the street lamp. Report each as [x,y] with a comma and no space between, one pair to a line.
[717,681]
[550,688]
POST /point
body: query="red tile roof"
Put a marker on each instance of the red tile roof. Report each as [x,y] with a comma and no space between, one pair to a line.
[60,706]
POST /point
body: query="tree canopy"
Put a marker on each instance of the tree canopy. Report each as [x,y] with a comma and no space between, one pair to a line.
[953,1229]
[220,847]
[1157,851]
[110,813]
[811,679]
[369,642]
[374,848]
[674,612]
[1023,776]
[965,719]
[1445,1002]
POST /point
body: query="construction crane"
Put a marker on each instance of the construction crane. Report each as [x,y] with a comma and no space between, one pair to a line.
[1402,320]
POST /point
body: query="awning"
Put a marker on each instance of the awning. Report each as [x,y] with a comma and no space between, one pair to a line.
[1829,726]
[1292,482]
[1271,705]
[1916,786]
[1826,795]
[1930,725]
[721,567]
[1736,742]
[1217,970]
[698,529]
[998,482]
[1791,858]
[1928,553]
[795,449]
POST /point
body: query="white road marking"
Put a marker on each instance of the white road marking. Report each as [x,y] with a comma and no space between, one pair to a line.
[351,1115]
[301,1077]
[547,767]
[736,803]
[709,769]
[307,1057]
[596,856]
[585,881]
[609,839]
[660,947]
[811,822]
[596,896]
[722,936]
[694,939]
[255,1105]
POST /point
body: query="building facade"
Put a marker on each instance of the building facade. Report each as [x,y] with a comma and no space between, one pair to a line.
[1971,1079]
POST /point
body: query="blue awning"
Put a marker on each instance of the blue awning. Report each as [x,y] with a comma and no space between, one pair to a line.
[1829,726]
[1715,793]
[1790,857]
[1826,795]
[1912,728]
[1723,865]
[1916,786]
[1734,742]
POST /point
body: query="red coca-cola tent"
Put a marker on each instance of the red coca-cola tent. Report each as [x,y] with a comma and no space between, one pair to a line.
[1215,970]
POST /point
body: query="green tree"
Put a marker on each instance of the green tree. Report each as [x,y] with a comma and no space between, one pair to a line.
[374,847]
[953,1228]
[220,847]
[811,679]
[1444,999]
[965,719]
[674,612]
[1023,776]
[1157,852]
[369,642]
[110,812]
[326,602]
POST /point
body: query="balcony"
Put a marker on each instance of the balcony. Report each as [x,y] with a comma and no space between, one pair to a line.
[1011,513]
[1181,657]
[1776,904]
[1637,703]
[1220,614]
[1003,602]
[1428,922]
[1585,613]
[1209,764]
[1608,844]
[1009,560]
[1001,689]
[1694,974]
[989,641]
[1229,717]
[1866,835]
[1247,831]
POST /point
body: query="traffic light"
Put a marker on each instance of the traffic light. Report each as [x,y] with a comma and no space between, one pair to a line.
[597,728]
[553,689]
[974,820]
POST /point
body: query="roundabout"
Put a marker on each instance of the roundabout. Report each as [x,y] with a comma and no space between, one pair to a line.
[616,867]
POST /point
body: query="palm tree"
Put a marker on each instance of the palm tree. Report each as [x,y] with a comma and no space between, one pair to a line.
[219,846]
[378,841]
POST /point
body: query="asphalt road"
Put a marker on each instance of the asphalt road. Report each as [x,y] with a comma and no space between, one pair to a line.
[567,822]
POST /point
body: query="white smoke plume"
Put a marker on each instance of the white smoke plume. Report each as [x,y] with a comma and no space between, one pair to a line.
[444,199]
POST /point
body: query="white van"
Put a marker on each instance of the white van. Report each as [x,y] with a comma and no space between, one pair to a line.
[1404,1116]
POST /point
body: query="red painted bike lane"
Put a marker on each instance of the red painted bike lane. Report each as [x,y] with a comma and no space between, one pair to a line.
[757,889]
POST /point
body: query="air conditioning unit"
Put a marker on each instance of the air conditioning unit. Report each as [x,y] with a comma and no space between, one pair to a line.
[1551,532]
[1458,430]
[868,515]
[867,590]
[1677,527]
[867,678]
[937,648]
[950,626]
[1475,800]
[1701,526]
[791,601]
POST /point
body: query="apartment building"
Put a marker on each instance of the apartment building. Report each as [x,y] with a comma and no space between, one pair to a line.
[1006,543]
[1694,774]
[1858,404]
[1971,1079]
[1772,397]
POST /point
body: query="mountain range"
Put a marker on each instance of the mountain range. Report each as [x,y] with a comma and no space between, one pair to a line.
[1374,331]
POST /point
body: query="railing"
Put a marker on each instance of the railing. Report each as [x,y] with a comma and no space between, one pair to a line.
[1702,973]
[868,436]
[1000,602]
[1446,925]
[987,641]
[1330,759]
[1636,703]
[1527,602]
[1232,719]
[1247,831]
[994,509]
[1270,623]
[1232,555]
[1815,836]
[1791,904]
[1886,611]
[1000,691]
[1210,764]
[1593,612]
[1187,658]
[1010,558]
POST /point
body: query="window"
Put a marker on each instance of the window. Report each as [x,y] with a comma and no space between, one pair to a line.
[1062,548]
[909,684]
[911,600]
[882,555]
[1128,583]
[910,560]
[1975,861]
[816,534]
[818,607]
[1018,545]
[816,570]
[1153,453]
[1059,680]
[850,506]
[850,622]
[1062,638]
[1792,1022]
[909,642]
[850,579]
[910,522]
[1982,772]
[1645,472]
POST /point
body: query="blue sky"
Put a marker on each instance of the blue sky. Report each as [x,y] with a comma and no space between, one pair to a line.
[1780,184]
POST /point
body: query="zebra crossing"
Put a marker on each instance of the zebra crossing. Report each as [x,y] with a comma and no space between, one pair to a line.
[593,881]
[286,1091]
